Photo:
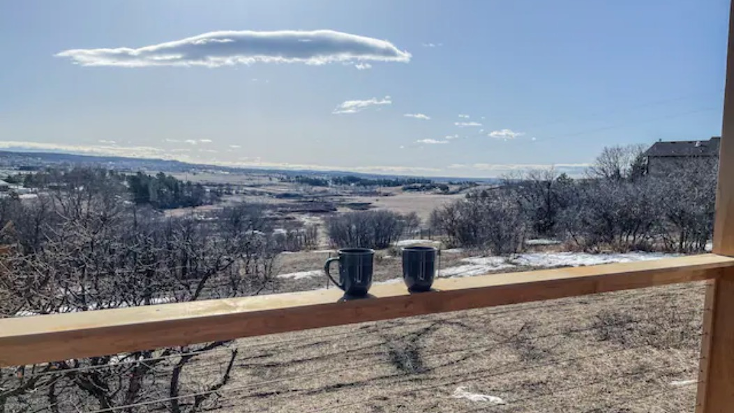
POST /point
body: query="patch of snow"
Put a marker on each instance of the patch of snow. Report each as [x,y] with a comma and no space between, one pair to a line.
[542,241]
[709,246]
[577,259]
[462,393]
[408,242]
[280,231]
[453,251]
[310,219]
[301,275]
[390,281]
[482,265]
[323,251]
[488,261]
[679,383]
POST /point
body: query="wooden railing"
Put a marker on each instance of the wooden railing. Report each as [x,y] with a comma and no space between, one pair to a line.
[29,340]
[64,336]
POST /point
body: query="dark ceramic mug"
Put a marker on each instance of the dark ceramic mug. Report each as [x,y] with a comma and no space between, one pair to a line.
[355,270]
[419,267]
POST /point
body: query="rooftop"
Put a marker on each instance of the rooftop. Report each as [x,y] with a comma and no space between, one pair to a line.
[685,148]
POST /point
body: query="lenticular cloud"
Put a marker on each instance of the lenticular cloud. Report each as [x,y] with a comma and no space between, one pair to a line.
[227,48]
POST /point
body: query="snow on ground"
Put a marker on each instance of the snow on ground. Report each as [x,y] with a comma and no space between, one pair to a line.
[679,383]
[301,275]
[476,266]
[390,281]
[482,265]
[578,259]
[453,251]
[462,393]
[409,242]
[542,241]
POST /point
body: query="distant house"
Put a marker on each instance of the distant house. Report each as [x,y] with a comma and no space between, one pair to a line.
[665,157]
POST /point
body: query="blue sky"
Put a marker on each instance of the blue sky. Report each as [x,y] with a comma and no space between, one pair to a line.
[551,83]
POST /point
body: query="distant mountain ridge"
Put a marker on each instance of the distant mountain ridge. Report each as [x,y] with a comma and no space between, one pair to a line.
[16,159]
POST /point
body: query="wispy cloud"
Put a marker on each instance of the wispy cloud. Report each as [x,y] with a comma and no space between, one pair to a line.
[226,48]
[191,141]
[235,146]
[205,140]
[464,116]
[505,134]
[417,116]
[431,141]
[432,44]
[363,66]
[467,124]
[354,106]
[451,137]
[108,142]
[171,140]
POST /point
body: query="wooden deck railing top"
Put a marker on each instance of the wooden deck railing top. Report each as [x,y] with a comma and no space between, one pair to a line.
[37,339]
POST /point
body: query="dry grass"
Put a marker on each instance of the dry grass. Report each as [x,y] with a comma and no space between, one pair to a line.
[616,352]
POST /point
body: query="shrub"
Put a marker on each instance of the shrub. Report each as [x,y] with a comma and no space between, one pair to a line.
[490,219]
[365,229]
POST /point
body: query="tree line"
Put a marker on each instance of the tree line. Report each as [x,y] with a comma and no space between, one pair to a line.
[161,191]
[351,180]
[616,206]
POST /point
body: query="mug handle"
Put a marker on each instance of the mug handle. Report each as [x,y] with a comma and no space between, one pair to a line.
[326,270]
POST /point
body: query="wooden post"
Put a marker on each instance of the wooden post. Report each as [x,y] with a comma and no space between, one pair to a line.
[716,376]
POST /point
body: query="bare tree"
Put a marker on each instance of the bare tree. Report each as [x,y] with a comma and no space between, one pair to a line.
[101,252]
[618,162]
[366,229]
[487,219]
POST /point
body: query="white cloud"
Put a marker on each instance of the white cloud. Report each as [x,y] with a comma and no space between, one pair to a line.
[235,146]
[191,141]
[451,137]
[467,124]
[354,106]
[104,141]
[171,140]
[432,44]
[464,116]
[363,66]
[533,138]
[226,48]
[205,140]
[431,141]
[505,134]
[417,116]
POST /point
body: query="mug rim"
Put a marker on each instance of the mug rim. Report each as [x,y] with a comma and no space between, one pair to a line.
[356,251]
[419,248]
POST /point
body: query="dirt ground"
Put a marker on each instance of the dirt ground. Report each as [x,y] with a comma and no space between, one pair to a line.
[407,202]
[630,352]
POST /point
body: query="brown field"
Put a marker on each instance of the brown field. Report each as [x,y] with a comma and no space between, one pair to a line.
[407,202]
[616,352]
